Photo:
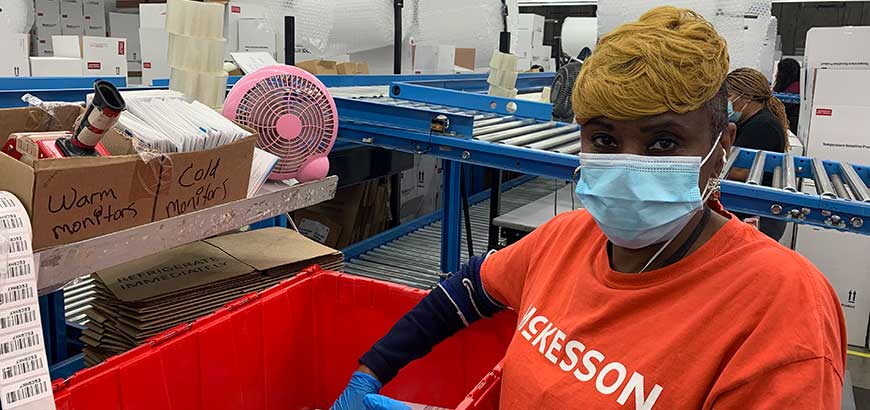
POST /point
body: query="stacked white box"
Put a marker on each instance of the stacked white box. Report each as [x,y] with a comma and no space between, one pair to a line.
[45,25]
[72,18]
[236,11]
[432,59]
[15,49]
[154,41]
[55,67]
[255,34]
[47,11]
[126,25]
[95,18]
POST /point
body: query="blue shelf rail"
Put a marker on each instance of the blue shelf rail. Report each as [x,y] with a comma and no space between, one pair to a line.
[787,98]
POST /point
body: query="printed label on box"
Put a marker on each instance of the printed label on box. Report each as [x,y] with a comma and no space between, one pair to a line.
[121,48]
[93,65]
[314,230]
[236,9]
[146,64]
[827,112]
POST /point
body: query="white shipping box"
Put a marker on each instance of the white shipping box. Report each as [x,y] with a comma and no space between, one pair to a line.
[524,64]
[15,49]
[155,48]
[255,35]
[72,18]
[434,59]
[421,188]
[67,46]
[47,11]
[124,25]
[41,39]
[838,126]
[55,67]
[152,16]
[236,11]
[104,56]
[542,52]
[531,22]
[95,18]
[843,258]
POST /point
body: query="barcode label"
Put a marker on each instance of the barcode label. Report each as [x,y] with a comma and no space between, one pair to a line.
[18,317]
[11,221]
[23,366]
[18,244]
[18,269]
[27,390]
[6,203]
[20,342]
[16,293]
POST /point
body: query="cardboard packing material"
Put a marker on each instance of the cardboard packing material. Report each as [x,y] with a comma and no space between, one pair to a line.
[95,18]
[72,18]
[465,57]
[55,67]
[353,67]
[318,66]
[142,298]
[356,213]
[73,199]
[15,49]
[126,25]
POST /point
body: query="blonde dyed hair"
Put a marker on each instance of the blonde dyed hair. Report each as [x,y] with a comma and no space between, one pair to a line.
[671,59]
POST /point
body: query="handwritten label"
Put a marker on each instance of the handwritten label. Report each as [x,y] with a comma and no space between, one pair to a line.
[205,185]
[99,213]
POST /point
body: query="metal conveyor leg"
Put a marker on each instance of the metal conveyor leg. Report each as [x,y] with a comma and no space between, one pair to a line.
[451,234]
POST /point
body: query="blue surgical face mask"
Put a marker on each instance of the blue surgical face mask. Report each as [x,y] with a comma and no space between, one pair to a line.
[638,200]
[733,116]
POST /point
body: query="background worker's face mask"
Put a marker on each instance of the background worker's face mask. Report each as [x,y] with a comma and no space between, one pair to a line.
[640,200]
[734,115]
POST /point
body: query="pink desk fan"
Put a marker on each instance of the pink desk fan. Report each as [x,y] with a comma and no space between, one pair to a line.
[294,116]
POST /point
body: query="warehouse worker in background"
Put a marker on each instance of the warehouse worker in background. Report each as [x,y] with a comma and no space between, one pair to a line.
[652,297]
[761,124]
[788,80]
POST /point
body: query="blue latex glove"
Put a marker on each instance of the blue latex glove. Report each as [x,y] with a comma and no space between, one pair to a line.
[362,394]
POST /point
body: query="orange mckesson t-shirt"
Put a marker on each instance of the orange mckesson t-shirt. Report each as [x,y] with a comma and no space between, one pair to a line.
[741,323]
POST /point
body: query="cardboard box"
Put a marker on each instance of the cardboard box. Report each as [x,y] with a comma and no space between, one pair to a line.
[318,66]
[47,12]
[95,18]
[235,11]
[15,49]
[531,22]
[358,67]
[357,212]
[464,57]
[437,59]
[41,44]
[67,46]
[72,18]
[104,56]
[255,35]
[123,25]
[55,67]
[72,199]
[152,16]
[155,49]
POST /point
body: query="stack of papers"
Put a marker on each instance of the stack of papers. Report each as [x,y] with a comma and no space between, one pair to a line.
[162,121]
[140,299]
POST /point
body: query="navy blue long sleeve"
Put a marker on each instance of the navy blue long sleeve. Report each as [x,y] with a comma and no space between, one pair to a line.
[454,304]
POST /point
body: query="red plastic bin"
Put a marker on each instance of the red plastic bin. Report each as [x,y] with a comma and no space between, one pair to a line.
[291,347]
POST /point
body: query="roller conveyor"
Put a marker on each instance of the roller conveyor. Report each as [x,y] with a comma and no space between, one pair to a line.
[413,259]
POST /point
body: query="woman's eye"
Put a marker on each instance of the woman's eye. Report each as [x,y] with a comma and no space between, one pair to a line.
[663,145]
[603,141]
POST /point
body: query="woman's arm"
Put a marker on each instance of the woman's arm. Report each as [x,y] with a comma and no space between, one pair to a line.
[454,304]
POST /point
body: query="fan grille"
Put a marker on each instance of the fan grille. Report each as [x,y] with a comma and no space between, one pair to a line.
[276,96]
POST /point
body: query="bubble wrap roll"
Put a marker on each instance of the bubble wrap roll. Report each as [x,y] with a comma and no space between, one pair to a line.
[466,24]
[314,20]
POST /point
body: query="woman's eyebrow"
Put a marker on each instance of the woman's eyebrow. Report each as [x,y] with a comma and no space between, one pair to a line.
[664,123]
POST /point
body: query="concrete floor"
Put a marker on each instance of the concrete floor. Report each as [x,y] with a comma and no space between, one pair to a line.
[859,372]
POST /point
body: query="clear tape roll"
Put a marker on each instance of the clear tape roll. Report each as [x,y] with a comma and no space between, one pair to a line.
[196,53]
[207,88]
[195,19]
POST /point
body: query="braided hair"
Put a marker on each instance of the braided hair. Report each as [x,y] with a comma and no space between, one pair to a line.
[750,83]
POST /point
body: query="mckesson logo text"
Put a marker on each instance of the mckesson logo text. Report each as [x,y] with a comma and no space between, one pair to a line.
[584,362]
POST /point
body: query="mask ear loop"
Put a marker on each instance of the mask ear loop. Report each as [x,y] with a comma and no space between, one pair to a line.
[574,186]
[712,186]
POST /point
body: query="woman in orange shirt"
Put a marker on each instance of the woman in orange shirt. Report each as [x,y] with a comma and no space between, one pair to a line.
[653,297]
